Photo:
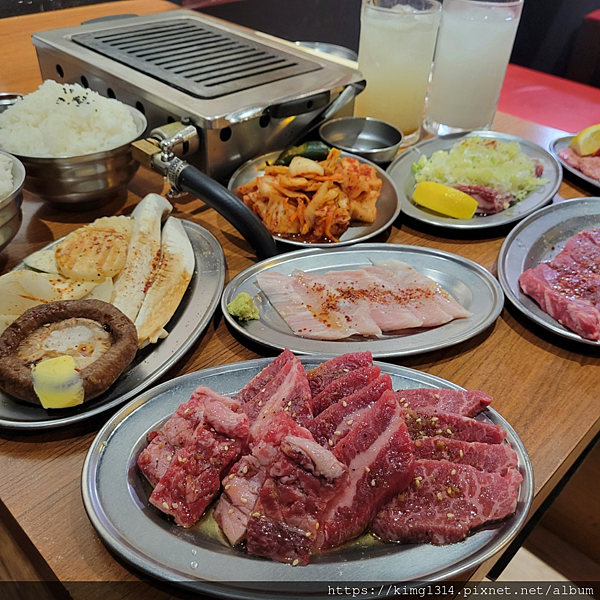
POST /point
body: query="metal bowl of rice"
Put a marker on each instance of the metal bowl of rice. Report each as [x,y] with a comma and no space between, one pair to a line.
[12,178]
[75,146]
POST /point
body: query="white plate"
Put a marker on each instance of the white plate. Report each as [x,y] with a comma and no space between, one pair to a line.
[115,496]
[564,142]
[471,285]
[189,321]
[388,203]
[540,238]
[402,174]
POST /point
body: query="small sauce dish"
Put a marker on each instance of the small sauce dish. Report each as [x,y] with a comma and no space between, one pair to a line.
[370,138]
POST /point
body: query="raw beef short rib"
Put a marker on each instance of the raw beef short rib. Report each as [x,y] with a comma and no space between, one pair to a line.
[378,454]
[445,501]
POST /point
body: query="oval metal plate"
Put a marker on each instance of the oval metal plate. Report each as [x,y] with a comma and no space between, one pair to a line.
[540,238]
[117,504]
[401,173]
[564,142]
[471,285]
[189,321]
[388,203]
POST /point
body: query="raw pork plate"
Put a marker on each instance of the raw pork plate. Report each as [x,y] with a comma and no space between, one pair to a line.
[386,297]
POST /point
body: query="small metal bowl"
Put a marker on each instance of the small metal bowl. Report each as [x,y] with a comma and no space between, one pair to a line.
[331,49]
[7,100]
[11,215]
[83,180]
[370,138]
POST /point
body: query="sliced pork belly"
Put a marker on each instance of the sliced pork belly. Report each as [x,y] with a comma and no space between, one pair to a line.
[466,403]
[242,484]
[301,481]
[177,432]
[378,454]
[422,423]
[194,474]
[265,376]
[445,501]
[320,377]
[332,289]
[565,298]
[288,391]
[420,294]
[492,458]
[338,304]
[344,386]
[292,301]
[332,425]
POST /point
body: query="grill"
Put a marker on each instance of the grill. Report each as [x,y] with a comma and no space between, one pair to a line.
[247,93]
[196,58]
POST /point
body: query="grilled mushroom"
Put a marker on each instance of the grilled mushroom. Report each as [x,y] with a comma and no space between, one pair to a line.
[79,347]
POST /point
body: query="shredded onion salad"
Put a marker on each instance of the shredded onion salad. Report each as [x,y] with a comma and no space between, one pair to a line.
[482,162]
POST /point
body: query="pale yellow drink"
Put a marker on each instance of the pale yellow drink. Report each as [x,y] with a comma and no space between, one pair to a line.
[395,55]
[474,46]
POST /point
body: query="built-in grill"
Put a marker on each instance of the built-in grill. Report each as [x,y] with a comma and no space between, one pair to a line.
[196,58]
[246,92]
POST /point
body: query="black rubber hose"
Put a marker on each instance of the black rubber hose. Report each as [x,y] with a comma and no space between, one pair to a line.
[231,208]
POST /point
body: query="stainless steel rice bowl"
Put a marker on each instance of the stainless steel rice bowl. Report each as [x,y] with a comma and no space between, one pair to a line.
[11,215]
[85,179]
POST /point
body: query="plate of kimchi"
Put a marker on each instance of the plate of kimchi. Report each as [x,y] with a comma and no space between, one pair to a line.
[338,201]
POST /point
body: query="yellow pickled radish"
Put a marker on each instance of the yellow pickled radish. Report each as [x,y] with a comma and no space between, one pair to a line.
[445,200]
[587,142]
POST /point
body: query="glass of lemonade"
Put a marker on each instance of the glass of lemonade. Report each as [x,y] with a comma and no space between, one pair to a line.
[397,39]
[473,49]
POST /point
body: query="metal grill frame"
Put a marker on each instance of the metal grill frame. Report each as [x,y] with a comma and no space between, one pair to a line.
[233,128]
[222,62]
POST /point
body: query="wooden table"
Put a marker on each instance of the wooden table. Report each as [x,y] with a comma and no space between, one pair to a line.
[544,386]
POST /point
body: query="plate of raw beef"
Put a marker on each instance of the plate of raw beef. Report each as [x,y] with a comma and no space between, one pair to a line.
[389,299]
[549,268]
[586,169]
[278,477]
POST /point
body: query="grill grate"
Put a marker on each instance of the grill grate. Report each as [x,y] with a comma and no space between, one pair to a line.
[198,59]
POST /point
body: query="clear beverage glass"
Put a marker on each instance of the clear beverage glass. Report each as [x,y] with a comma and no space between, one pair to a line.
[474,45]
[397,40]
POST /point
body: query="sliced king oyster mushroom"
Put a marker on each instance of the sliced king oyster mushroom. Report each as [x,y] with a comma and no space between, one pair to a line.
[42,260]
[142,256]
[170,283]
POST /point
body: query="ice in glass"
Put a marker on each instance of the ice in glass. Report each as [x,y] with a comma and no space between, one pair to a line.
[474,46]
[397,40]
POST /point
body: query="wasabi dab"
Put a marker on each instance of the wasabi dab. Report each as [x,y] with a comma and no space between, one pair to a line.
[242,307]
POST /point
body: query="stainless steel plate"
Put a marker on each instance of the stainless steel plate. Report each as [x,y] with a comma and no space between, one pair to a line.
[564,142]
[540,238]
[470,284]
[401,173]
[116,500]
[193,315]
[388,204]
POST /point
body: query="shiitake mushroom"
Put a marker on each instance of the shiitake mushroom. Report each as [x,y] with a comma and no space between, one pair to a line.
[16,376]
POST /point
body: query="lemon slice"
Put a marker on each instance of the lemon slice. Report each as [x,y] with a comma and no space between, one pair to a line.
[445,200]
[587,142]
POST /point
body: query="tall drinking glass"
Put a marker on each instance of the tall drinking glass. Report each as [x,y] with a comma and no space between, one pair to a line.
[397,39]
[474,45]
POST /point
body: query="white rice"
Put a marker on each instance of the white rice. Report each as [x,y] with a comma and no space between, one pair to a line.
[6,179]
[61,120]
